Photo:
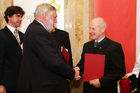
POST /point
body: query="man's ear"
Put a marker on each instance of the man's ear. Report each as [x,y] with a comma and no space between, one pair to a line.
[8,17]
[103,29]
[45,16]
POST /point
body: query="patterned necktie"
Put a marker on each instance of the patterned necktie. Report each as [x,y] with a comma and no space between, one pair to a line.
[16,36]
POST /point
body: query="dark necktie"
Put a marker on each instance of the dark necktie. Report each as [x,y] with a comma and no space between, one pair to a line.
[95,44]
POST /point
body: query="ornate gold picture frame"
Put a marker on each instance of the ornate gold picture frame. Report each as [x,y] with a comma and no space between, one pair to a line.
[3,5]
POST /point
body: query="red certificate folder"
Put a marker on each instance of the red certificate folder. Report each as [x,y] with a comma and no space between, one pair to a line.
[65,54]
[93,66]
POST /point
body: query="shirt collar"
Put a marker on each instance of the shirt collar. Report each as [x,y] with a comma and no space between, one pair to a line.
[12,29]
[100,39]
[41,24]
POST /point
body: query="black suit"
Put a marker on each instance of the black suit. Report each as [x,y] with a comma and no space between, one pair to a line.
[114,65]
[10,59]
[44,69]
[62,38]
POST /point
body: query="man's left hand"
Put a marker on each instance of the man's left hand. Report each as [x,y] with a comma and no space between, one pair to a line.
[95,82]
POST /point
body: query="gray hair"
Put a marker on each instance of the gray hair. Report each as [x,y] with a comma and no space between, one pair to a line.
[43,8]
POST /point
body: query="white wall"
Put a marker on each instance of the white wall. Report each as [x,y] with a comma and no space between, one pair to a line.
[29,7]
[138,29]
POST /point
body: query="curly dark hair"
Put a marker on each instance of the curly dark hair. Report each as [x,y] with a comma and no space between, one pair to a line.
[11,10]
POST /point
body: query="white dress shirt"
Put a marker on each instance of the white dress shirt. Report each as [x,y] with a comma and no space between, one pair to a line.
[136,69]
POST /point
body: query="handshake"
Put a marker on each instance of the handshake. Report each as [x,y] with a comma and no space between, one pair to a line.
[77,73]
[94,82]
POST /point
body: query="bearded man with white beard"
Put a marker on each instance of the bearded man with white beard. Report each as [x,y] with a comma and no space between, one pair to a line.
[43,68]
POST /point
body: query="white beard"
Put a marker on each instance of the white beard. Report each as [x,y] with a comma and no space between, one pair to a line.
[50,25]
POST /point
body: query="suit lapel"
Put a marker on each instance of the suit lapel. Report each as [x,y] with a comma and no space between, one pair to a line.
[11,38]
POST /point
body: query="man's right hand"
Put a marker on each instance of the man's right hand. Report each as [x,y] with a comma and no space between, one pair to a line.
[77,73]
[2,89]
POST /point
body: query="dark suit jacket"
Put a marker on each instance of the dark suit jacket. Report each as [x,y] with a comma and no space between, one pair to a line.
[10,59]
[114,65]
[44,69]
[62,38]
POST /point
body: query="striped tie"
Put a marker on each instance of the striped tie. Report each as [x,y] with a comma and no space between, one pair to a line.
[16,36]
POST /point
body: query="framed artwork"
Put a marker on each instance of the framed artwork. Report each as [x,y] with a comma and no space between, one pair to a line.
[3,5]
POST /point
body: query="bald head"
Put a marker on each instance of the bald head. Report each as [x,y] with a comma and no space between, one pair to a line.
[99,22]
[97,28]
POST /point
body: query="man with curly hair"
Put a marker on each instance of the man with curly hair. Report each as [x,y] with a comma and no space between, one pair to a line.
[10,49]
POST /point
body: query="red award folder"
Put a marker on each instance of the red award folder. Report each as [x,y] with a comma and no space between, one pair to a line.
[65,54]
[93,66]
